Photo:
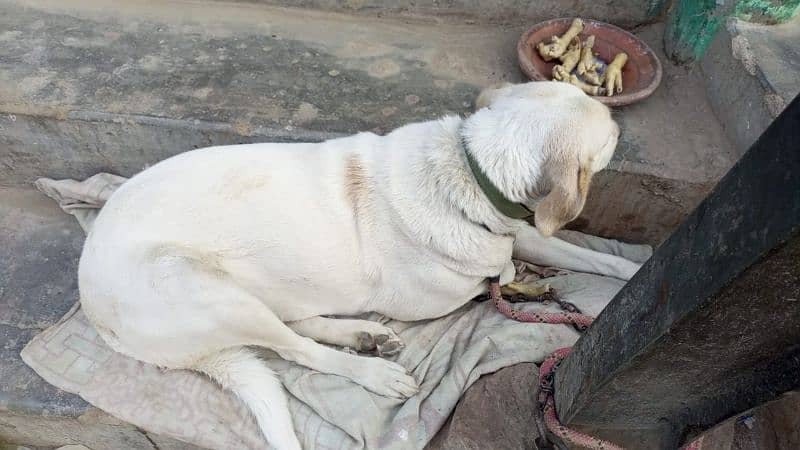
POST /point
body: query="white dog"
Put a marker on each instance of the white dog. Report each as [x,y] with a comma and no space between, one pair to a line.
[256,244]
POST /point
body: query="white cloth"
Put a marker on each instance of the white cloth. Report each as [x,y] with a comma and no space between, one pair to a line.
[329,412]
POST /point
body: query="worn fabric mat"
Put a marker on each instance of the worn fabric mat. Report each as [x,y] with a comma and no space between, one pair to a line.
[447,355]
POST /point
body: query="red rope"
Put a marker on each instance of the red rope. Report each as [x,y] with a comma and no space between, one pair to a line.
[582,321]
[549,365]
[551,418]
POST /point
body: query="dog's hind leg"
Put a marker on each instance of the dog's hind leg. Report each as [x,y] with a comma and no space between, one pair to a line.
[362,335]
[184,311]
[375,374]
[245,320]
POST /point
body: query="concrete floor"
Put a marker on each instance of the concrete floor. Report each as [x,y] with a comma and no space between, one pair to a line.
[118,88]
[751,73]
[266,68]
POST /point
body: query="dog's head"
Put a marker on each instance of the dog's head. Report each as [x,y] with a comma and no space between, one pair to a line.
[540,143]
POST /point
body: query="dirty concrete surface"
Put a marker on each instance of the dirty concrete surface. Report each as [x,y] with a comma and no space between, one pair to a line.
[39,248]
[243,64]
[628,13]
[495,412]
[257,68]
[751,73]
[85,87]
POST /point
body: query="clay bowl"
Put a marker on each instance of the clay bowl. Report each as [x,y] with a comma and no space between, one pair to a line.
[640,76]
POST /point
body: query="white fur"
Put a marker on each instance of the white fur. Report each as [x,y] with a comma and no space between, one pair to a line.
[220,248]
[239,370]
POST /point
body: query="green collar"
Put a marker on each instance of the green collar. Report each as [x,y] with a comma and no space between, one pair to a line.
[504,205]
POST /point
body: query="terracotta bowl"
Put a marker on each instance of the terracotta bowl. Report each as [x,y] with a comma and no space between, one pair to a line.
[640,76]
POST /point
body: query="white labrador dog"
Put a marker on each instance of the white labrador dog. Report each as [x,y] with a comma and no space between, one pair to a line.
[256,244]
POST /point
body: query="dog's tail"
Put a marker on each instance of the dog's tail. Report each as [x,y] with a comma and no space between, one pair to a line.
[241,371]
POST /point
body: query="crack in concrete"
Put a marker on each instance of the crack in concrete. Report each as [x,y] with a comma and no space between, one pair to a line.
[149,439]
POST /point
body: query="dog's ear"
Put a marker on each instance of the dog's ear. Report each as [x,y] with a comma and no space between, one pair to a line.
[490,94]
[565,201]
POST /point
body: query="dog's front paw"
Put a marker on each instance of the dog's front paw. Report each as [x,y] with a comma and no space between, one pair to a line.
[387,378]
[382,344]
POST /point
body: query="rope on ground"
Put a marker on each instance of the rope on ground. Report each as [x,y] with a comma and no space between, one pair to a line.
[547,369]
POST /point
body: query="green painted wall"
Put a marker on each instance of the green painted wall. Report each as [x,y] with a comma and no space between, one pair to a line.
[692,24]
[767,11]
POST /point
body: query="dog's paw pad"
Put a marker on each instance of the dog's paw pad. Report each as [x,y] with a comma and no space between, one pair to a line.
[388,345]
[365,342]
[378,344]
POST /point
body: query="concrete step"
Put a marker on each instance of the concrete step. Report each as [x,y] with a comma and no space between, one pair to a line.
[752,73]
[627,13]
[39,247]
[116,86]
[132,84]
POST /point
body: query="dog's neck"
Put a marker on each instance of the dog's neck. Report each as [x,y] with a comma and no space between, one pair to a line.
[435,200]
[493,194]
[452,180]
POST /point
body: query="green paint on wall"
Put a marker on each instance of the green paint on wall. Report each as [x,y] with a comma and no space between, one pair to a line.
[691,27]
[692,24]
[767,11]
[656,7]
